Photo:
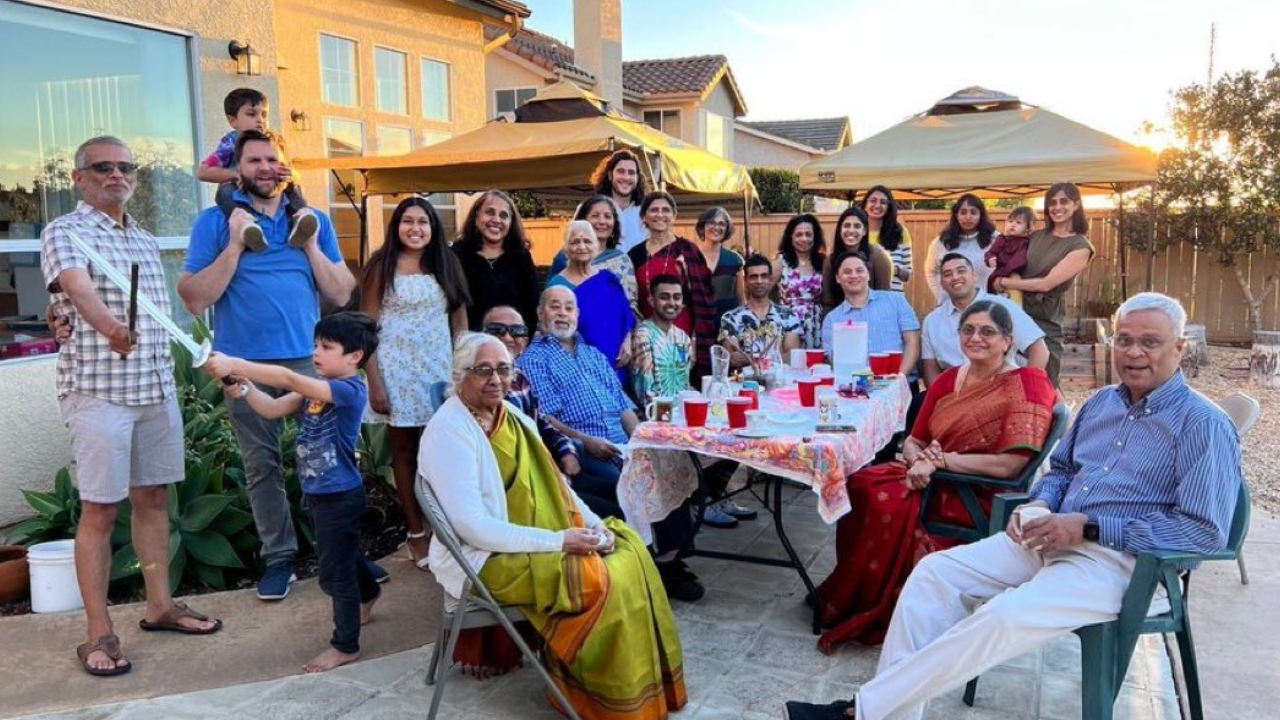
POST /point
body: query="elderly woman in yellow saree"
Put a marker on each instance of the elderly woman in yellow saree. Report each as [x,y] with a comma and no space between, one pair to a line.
[587,586]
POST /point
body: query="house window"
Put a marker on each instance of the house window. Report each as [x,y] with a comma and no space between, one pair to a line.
[506,101]
[79,77]
[390,70]
[435,90]
[343,138]
[717,140]
[668,121]
[339,81]
[394,140]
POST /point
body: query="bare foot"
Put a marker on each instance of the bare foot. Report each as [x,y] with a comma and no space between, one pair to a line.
[328,660]
[366,611]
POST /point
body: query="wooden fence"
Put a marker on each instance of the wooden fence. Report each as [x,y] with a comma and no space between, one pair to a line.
[1209,291]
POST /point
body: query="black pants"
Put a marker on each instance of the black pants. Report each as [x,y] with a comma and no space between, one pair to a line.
[336,517]
[227,204]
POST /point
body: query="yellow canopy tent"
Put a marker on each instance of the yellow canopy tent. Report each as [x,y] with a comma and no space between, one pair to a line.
[984,142]
[557,140]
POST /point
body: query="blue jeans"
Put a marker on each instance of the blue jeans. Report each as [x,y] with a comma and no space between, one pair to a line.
[343,576]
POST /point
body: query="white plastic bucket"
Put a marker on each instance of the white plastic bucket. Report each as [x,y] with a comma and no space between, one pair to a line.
[53,577]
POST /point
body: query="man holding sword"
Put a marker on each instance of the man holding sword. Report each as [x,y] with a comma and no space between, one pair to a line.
[117,396]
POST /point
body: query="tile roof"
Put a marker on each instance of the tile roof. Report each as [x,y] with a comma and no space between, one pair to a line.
[820,133]
[673,75]
[665,76]
[539,49]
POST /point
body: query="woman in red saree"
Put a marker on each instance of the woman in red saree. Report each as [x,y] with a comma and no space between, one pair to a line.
[988,417]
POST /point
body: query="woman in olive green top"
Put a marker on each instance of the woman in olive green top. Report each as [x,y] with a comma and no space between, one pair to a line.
[1055,256]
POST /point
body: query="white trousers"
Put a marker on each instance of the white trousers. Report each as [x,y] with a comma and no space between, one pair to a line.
[937,641]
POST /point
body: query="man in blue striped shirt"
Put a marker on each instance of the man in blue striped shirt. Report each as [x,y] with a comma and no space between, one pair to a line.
[1148,464]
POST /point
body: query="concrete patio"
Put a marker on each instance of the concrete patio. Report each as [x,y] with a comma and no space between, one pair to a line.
[748,649]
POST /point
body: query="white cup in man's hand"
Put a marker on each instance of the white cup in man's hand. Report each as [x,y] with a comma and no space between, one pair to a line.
[1026,514]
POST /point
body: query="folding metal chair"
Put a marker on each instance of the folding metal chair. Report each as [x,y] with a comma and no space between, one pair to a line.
[476,608]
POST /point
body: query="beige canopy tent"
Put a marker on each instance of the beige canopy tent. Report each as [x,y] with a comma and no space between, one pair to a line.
[985,142]
[557,140]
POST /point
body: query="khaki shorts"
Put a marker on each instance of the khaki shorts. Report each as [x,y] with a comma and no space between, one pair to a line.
[117,447]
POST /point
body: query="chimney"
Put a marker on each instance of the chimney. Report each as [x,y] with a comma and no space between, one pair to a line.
[597,40]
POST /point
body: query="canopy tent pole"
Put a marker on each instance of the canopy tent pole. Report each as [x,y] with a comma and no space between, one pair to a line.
[361,208]
[1124,261]
[1151,244]
[746,222]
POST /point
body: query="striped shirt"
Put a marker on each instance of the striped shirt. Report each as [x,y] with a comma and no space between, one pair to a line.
[86,363]
[521,395]
[580,389]
[1162,473]
[887,315]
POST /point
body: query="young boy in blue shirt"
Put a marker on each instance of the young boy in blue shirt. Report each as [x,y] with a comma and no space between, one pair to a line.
[246,109]
[329,409]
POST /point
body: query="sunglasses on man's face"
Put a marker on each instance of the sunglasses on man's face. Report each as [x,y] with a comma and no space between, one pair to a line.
[106,166]
[500,329]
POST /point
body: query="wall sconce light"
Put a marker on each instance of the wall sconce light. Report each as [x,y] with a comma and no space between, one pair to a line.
[301,122]
[248,60]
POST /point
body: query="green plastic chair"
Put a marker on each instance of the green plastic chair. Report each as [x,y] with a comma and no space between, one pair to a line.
[963,486]
[1108,647]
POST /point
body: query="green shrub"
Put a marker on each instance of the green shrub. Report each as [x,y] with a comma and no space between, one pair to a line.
[779,190]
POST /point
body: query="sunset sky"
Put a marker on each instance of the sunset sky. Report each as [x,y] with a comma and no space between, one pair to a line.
[1110,64]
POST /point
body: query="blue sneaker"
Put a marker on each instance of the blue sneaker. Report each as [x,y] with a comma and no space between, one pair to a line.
[276,581]
[380,575]
[713,516]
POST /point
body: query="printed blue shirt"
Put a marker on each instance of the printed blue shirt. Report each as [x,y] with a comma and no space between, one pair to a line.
[887,315]
[1162,473]
[327,434]
[581,389]
[270,308]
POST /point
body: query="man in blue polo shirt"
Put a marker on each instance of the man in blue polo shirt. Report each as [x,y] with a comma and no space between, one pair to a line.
[266,305]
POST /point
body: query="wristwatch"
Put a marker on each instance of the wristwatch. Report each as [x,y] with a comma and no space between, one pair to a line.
[1091,530]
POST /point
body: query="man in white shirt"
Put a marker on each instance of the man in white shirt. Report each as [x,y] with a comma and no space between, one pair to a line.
[940,348]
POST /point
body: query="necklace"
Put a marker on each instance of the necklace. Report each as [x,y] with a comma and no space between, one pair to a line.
[485,425]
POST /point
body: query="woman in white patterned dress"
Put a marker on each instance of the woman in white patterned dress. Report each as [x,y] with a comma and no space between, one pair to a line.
[414,286]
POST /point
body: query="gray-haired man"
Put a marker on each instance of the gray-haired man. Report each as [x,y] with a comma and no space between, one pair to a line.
[117,396]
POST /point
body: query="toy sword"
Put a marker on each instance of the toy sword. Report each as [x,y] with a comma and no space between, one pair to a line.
[199,351]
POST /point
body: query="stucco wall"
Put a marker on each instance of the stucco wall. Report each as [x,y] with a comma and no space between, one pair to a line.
[33,441]
[503,73]
[754,151]
[431,29]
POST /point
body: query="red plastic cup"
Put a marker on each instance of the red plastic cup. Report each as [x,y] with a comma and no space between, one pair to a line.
[753,395]
[808,387]
[737,408]
[814,357]
[895,362]
[695,411]
[828,380]
[880,364]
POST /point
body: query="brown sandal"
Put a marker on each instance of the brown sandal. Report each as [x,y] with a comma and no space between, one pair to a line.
[169,621]
[108,645]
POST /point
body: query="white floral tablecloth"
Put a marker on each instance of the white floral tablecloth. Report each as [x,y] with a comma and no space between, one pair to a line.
[659,475]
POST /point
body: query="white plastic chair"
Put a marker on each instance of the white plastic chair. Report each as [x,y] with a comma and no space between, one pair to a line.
[1244,411]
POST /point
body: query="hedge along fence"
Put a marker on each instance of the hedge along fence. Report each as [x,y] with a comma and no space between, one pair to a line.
[1208,291]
